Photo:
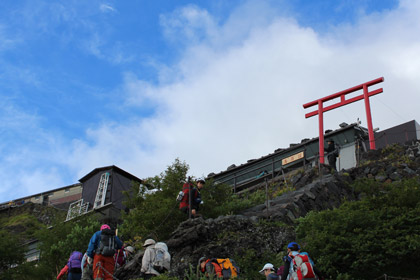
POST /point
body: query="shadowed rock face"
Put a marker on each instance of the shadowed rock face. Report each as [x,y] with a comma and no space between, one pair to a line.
[226,236]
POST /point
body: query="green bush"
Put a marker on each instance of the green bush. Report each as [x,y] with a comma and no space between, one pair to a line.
[365,239]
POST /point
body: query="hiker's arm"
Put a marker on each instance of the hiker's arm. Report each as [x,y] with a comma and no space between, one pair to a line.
[145,261]
[92,245]
[63,271]
[119,242]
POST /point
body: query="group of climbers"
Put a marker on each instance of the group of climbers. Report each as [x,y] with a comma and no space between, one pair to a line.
[105,252]
[297,266]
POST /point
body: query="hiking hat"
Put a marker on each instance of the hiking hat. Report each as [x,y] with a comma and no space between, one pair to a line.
[293,244]
[202,259]
[129,249]
[201,181]
[149,242]
[105,226]
[267,266]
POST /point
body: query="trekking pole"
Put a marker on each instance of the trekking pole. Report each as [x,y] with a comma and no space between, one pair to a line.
[189,197]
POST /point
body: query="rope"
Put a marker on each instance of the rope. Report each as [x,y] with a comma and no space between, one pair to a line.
[164,220]
[100,266]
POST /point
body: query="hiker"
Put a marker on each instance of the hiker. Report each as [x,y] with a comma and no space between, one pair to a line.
[270,272]
[332,155]
[222,268]
[147,269]
[122,255]
[195,198]
[292,267]
[209,267]
[73,267]
[87,272]
[101,250]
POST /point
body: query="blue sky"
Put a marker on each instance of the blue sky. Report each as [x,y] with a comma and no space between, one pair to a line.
[86,84]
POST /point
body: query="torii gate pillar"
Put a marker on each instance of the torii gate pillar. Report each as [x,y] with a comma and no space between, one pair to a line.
[342,95]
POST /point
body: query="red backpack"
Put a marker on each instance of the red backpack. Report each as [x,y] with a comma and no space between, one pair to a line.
[184,198]
[302,267]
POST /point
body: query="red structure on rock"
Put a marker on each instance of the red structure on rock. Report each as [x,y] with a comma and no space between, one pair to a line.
[342,95]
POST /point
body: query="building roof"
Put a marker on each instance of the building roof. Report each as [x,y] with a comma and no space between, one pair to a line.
[44,193]
[292,147]
[113,167]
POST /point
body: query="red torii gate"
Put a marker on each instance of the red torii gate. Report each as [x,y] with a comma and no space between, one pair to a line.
[342,94]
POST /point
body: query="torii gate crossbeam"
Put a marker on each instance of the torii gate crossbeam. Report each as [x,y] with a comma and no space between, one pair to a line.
[342,95]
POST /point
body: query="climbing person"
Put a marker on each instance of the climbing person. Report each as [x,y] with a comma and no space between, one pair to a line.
[87,272]
[270,272]
[73,267]
[101,250]
[129,252]
[222,268]
[298,265]
[149,255]
[332,155]
[184,205]
[147,269]
[209,267]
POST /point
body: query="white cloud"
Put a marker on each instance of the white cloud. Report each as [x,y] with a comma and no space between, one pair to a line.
[106,8]
[227,105]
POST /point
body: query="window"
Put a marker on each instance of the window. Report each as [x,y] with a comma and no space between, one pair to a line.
[37,197]
[67,190]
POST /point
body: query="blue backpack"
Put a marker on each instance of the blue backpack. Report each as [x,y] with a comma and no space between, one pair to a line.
[75,260]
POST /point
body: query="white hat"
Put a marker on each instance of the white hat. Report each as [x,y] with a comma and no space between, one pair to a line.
[267,266]
[129,249]
[149,242]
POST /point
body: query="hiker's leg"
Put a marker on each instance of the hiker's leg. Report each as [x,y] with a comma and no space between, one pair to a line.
[97,270]
[109,265]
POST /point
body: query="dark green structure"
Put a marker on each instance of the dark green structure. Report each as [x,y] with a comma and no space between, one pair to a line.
[349,138]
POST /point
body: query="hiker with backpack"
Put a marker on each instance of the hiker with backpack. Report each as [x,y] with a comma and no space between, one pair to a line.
[332,155]
[298,265]
[102,247]
[122,255]
[221,268]
[87,271]
[73,267]
[195,197]
[270,272]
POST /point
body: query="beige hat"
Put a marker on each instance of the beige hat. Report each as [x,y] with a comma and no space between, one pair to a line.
[129,249]
[149,242]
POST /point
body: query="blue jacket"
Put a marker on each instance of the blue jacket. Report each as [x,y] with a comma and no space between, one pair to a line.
[94,243]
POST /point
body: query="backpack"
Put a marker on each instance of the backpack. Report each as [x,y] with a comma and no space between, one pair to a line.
[229,268]
[162,260]
[280,270]
[107,245]
[302,267]
[184,198]
[75,260]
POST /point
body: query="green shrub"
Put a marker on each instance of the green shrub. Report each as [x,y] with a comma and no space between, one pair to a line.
[365,239]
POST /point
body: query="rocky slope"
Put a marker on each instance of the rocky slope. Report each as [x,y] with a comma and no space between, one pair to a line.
[265,229]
